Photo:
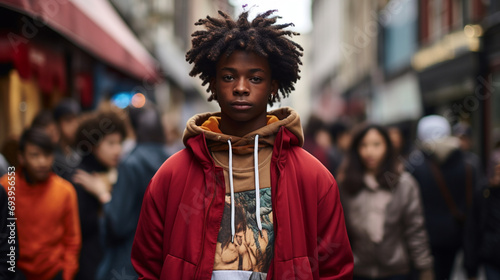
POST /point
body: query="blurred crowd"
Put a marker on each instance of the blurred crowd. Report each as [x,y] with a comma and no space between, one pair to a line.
[106,158]
[424,204]
[411,204]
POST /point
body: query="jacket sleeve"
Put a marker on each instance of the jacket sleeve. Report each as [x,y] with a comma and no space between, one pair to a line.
[414,228]
[72,236]
[148,242]
[334,251]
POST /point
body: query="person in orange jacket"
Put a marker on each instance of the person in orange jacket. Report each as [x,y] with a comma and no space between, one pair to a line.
[46,212]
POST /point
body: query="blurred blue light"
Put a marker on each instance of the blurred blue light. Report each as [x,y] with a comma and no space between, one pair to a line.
[122,99]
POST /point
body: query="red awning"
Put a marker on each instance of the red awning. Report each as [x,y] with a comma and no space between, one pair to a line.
[34,61]
[96,27]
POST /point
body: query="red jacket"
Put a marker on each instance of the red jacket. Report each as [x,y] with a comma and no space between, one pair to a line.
[182,210]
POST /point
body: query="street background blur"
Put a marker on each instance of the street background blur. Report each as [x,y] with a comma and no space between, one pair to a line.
[385,61]
[390,62]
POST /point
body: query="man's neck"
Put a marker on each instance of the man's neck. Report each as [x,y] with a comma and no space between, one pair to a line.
[240,129]
[31,180]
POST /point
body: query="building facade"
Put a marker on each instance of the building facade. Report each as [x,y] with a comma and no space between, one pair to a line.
[392,62]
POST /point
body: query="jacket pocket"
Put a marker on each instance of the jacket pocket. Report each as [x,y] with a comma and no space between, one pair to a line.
[176,268]
[296,268]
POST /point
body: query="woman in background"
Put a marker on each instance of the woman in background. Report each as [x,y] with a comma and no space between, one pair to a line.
[383,211]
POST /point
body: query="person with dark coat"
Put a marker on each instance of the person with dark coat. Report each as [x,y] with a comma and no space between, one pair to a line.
[483,230]
[99,139]
[447,182]
[121,213]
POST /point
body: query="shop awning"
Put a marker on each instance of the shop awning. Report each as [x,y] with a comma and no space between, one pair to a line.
[96,27]
[35,61]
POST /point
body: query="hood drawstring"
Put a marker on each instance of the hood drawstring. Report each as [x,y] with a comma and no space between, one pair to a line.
[231,186]
[257,186]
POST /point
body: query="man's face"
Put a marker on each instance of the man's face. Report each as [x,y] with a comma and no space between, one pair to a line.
[242,85]
[37,163]
[239,237]
[68,126]
[109,149]
[53,132]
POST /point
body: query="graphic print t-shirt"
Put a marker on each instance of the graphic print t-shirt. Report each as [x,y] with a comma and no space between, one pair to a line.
[249,256]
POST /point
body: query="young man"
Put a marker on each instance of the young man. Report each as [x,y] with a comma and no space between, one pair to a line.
[243,173]
[46,209]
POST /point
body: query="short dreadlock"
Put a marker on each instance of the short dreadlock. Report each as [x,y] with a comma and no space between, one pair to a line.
[262,36]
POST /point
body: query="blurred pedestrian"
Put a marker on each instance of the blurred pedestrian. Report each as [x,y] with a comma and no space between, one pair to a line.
[121,213]
[173,133]
[66,117]
[325,142]
[46,209]
[383,211]
[447,182]
[317,139]
[398,143]
[463,132]
[99,140]
[341,140]
[483,229]
[45,121]
[397,139]
[235,159]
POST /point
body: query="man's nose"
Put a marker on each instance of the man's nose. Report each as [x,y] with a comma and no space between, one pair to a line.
[241,87]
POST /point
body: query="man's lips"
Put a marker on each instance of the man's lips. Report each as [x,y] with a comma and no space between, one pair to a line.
[241,105]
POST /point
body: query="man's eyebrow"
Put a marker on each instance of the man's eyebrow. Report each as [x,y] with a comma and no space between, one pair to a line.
[253,70]
[256,70]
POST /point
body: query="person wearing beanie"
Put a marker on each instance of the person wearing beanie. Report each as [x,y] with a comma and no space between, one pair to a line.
[447,182]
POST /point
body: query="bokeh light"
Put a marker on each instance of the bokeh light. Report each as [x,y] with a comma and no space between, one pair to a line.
[138,100]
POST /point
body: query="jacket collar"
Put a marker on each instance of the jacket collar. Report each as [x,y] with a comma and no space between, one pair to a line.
[285,140]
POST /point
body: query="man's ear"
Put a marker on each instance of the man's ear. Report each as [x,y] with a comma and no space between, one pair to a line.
[274,87]
[211,85]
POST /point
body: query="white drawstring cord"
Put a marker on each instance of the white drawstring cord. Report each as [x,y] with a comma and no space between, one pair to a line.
[257,185]
[231,186]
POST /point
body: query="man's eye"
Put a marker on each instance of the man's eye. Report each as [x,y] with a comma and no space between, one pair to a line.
[227,78]
[256,79]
